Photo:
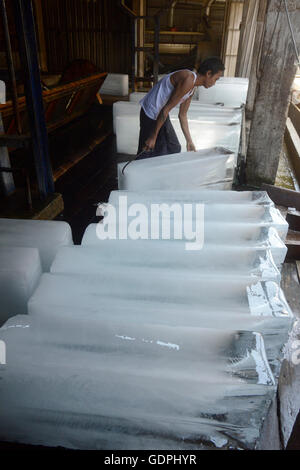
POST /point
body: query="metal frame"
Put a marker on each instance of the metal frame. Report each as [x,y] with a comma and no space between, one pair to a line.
[25,29]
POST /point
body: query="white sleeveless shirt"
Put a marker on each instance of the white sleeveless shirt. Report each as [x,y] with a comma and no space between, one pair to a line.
[159,95]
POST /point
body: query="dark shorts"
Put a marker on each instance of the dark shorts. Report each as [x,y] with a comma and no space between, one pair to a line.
[166,142]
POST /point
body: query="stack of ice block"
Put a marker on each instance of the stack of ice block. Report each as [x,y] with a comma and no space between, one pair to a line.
[46,235]
[115,84]
[210,126]
[212,167]
[230,91]
[143,344]
[20,271]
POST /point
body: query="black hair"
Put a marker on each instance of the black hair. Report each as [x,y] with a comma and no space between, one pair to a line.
[213,64]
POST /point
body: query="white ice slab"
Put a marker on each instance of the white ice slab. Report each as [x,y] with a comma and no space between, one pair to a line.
[239,234]
[179,212]
[114,397]
[204,135]
[20,271]
[2,92]
[189,196]
[169,255]
[115,84]
[197,111]
[46,235]
[230,91]
[210,293]
[189,170]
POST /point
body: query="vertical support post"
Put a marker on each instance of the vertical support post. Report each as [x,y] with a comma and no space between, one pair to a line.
[29,58]
[277,72]
[156,47]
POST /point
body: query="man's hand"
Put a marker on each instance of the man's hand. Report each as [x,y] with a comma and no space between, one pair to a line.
[190,147]
[149,144]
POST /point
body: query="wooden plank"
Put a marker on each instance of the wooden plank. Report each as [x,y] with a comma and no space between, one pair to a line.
[277,69]
[292,141]
[294,115]
[282,196]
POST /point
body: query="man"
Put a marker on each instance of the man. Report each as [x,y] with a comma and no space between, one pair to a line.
[157,135]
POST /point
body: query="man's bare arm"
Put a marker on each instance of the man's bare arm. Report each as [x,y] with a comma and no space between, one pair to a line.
[185,125]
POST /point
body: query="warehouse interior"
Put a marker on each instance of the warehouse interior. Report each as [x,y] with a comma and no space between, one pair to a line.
[59,149]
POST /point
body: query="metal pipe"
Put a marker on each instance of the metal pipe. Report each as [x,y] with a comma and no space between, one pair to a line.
[171,18]
[10,64]
[208,7]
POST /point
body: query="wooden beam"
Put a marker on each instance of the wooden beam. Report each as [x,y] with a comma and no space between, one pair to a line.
[283,197]
[292,141]
[277,66]
[294,115]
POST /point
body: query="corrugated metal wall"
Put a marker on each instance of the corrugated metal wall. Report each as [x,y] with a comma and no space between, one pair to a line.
[97,30]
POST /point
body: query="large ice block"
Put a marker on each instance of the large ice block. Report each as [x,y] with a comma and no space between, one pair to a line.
[20,271]
[188,170]
[114,397]
[190,196]
[204,135]
[230,91]
[180,214]
[115,84]
[166,256]
[210,293]
[196,112]
[239,234]
[46,235]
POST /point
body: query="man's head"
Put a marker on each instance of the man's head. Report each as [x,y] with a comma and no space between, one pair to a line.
[210,71]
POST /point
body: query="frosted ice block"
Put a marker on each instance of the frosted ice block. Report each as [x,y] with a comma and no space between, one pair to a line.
[167,256]
[2,92]
[190,196]
[181,213]
[20,271]
[209,126]
[239,234]
[196,112]
[103,398]
[46,235]
[115,84]
[189,170]
[229,91]
[211,293]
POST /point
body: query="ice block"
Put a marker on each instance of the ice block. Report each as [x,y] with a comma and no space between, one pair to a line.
[230,91]
[46,235]
[166,256]
[210,293]
[239,234]
[196,112]
[189,196]
[115,84]
[180,214]
[112,397]
[188,170]
[20,271]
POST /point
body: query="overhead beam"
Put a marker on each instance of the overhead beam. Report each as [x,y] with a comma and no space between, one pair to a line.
[276,73]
